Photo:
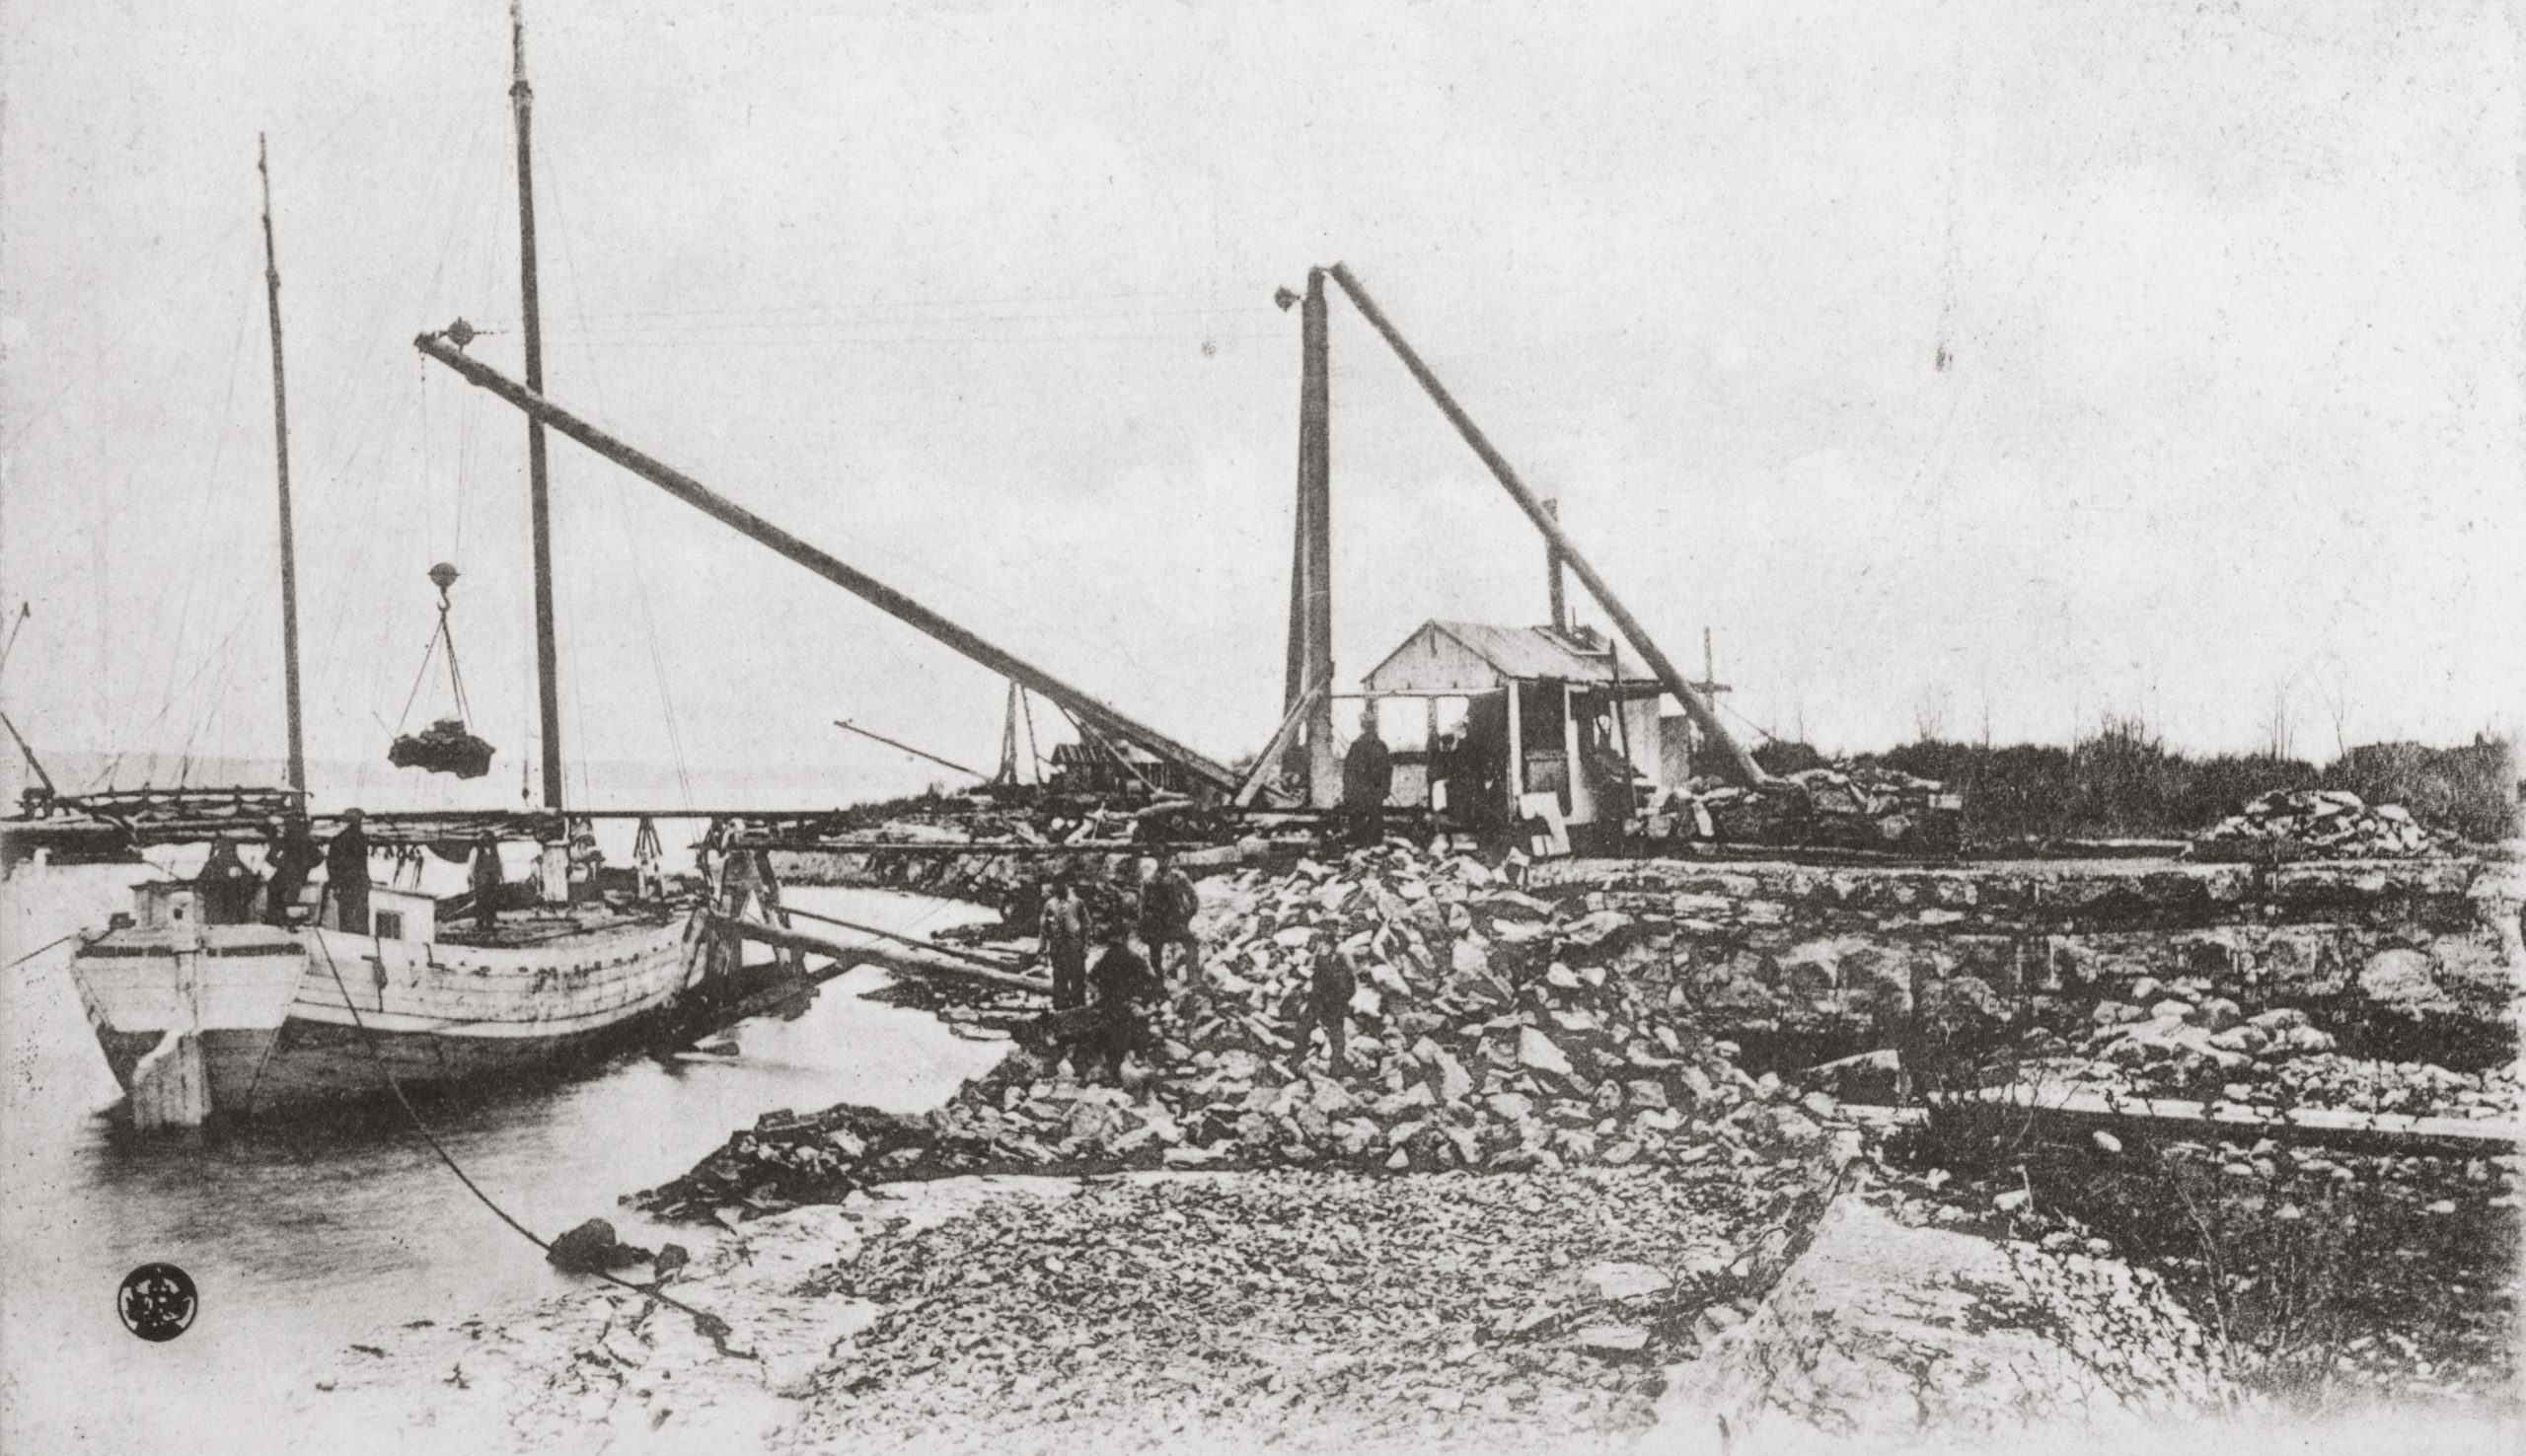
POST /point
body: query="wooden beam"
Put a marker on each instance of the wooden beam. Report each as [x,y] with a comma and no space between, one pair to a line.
[2072,1113]
[1740,764]
[1280,743]
[1081,705]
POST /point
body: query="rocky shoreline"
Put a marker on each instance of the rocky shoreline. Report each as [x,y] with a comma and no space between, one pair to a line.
[1549,1207]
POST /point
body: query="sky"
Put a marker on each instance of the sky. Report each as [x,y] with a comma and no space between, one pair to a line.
[1962,367]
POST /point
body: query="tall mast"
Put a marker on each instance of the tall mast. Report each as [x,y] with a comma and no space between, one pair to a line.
[1315,517]
[281,445]
[548,688]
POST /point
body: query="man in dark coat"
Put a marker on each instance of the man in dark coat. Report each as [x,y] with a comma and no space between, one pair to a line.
[293,855]
[484,877]
[347,874]
[226,887]
[1062,928]
[1124,989]
[1367,777]
[1168,903]
[1331,983]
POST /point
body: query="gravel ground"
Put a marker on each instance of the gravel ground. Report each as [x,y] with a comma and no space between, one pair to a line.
[1306,1310]
[1314,1311]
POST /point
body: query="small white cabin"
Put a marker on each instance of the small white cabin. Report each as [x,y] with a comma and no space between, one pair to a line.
[167,904]
[1482,716]
[402,915]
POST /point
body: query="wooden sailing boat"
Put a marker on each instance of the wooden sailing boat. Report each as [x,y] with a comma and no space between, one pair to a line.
[202,1010]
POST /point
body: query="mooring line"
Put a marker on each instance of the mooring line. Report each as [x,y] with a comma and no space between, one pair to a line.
[709,1324]
[40,950]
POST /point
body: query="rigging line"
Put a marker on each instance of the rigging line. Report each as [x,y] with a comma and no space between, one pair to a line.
[619,516]
[155,313]
[929,303]
[429,295]
[40,950]
[922,320]
[365,506]
[1751,723]
[114,765]
[1186,336]
[202,490]
[371,333]
[216,700]
[711,1325]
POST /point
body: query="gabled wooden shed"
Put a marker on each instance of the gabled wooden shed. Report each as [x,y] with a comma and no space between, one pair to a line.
[1517,713]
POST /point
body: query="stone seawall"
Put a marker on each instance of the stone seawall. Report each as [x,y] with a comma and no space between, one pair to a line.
[2428,947]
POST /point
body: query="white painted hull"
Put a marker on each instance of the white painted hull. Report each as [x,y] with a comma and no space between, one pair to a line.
[292,1016]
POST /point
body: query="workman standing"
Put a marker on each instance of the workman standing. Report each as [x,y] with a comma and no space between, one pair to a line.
[1367,778]
[1125,991]
[1168,903]
[1062,928]
[347,874]
[293,855]
[226,887]
[484,877]
[1332,981]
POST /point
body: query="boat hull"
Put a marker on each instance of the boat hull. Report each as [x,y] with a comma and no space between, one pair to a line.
[284,1018]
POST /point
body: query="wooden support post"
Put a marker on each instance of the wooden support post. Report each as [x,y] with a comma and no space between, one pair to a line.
[1552,575]
[1517,776]
[1315,495]
[1281,739]
[280,450]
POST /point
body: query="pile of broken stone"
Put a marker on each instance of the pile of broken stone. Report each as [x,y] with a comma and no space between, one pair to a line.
[1290,1309]
[1491,1030]
[2317,824]
[1714,808]
[2184,1044]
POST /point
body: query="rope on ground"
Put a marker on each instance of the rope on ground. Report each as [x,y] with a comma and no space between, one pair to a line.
[715,1329]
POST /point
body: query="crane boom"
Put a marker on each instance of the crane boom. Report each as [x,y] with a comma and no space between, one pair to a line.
[859,583]
[1740,764]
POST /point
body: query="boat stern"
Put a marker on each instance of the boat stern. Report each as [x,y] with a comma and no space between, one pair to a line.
[194,1006]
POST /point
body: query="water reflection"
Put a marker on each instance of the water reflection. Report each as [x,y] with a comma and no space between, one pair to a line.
[303,1234]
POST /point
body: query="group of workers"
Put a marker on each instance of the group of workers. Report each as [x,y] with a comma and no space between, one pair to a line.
[295,854]
[1111,1002]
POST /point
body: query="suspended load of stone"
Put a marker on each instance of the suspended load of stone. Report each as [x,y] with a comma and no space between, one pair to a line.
[446,746]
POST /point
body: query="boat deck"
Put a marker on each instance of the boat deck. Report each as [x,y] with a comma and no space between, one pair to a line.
[541,924]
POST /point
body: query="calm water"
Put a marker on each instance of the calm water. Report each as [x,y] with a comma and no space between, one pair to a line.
[301,1239]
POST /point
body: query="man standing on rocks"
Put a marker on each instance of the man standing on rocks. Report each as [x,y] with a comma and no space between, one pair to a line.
[1062,928]
[1367,777]
[1333,979]
[1125,991]
[1168,903]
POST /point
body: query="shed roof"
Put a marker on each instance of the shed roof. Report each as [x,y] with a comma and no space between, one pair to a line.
[1527,653]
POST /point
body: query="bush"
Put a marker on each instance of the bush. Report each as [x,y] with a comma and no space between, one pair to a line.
[2472,790]
[2124,782]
